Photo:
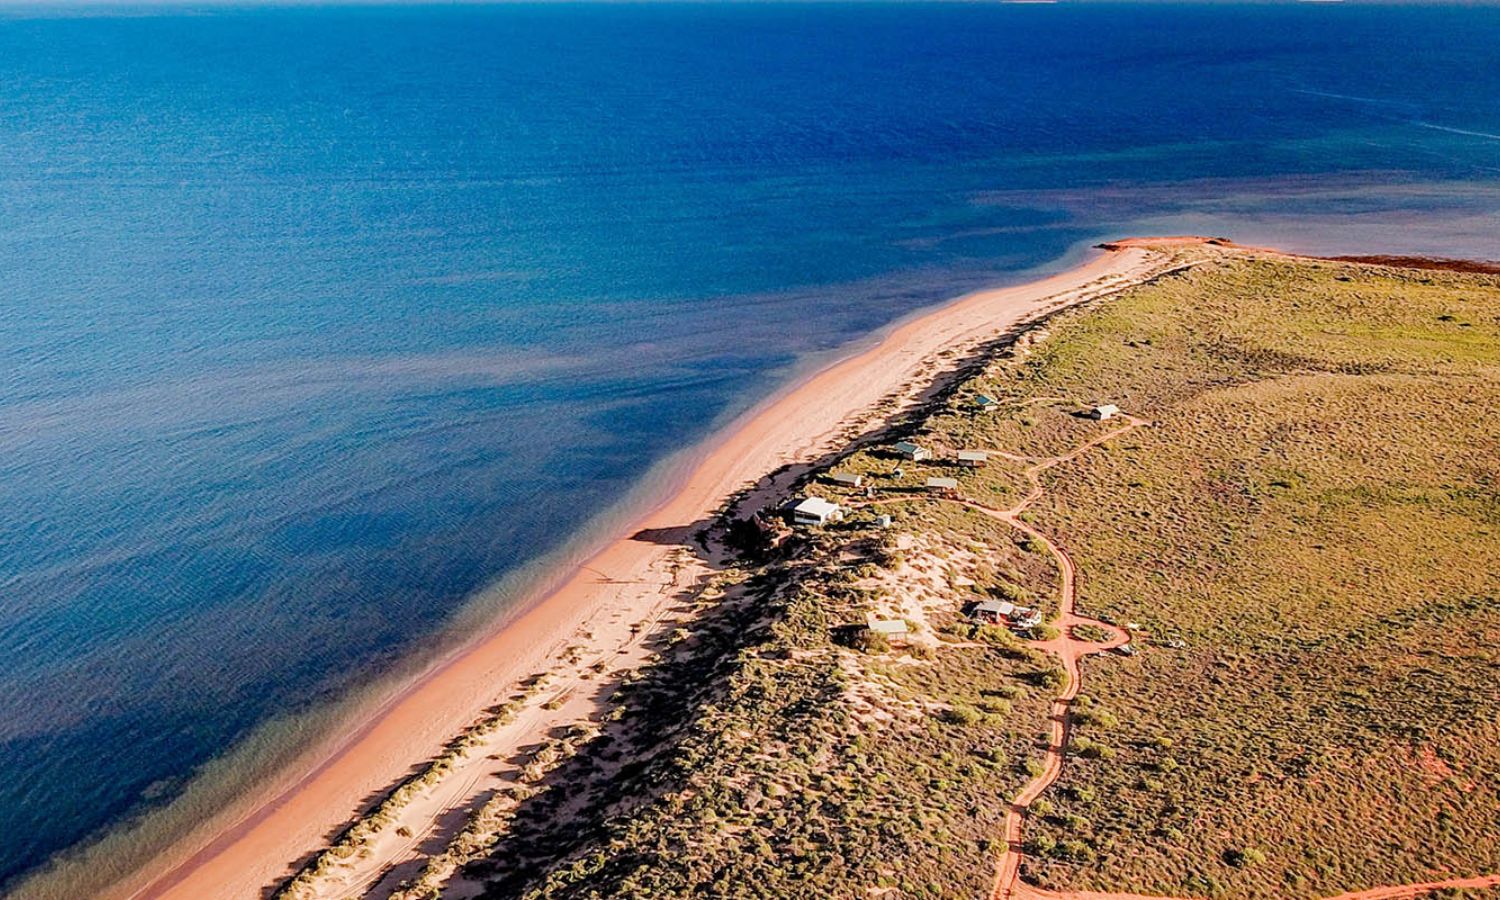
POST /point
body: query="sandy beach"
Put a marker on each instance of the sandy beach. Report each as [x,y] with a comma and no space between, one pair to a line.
[590,626]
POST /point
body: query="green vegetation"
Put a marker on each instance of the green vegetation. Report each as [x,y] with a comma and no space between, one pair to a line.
[1090,633]
[1307,533]
[358,836]
[785,748]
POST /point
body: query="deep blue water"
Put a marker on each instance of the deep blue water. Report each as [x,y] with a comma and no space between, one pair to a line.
[315,321]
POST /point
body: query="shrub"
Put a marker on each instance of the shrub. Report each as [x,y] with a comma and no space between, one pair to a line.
[1044,632]
[1076,851]
[1240,858]
[1092,633]
[962,714]
[1089,749]
[995,706]
[995,635]
[1052,679]
[1096,718]
[867,641]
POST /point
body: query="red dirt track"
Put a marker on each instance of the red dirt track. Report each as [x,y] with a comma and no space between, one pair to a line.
[1069,650]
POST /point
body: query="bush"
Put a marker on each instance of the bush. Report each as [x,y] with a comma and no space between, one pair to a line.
[1240,858]
[995,706]
[1095,718]
[1052,679]
[1091,633]
[1089,749]
[1076,851]
[962,714]
[994,635]
[867,641]
[1044,632]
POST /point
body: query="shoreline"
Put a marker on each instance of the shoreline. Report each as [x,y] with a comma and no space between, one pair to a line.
[618,570]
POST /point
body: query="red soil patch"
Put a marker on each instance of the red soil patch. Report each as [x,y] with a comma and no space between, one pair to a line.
[1472,266]
[1168,241]
[1429,762]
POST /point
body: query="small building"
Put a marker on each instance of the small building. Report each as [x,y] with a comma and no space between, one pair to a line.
[973,458]
[889,627]
[1003,612]
[908,450]
[816,511]
[1107,411]
[986,403]
[994,612]
[1025,617]
[849,479]
[947,487]
[883,521]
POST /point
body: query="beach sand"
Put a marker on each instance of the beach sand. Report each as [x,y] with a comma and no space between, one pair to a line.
[595,621]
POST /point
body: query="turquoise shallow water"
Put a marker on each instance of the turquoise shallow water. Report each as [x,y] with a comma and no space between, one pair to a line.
[316,321]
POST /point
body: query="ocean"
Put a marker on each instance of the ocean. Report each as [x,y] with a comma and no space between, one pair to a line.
[317,321]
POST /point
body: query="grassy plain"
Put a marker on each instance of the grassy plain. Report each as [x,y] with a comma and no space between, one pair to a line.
[1307,535]
[1314,520]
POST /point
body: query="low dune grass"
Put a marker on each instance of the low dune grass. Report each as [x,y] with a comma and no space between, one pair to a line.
[1310,536]
[1307,536]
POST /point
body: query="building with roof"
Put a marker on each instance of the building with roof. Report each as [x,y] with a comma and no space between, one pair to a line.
[973,458]
[815,511]
[1106,411]
[908,450]
[1003,612]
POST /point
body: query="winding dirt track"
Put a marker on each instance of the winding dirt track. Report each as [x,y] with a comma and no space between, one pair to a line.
[1069,650]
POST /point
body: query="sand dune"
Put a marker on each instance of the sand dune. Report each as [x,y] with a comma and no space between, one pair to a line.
[596,613]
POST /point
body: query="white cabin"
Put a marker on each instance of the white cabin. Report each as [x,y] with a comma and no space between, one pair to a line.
[816,511]
[908,450]
[1107,411]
